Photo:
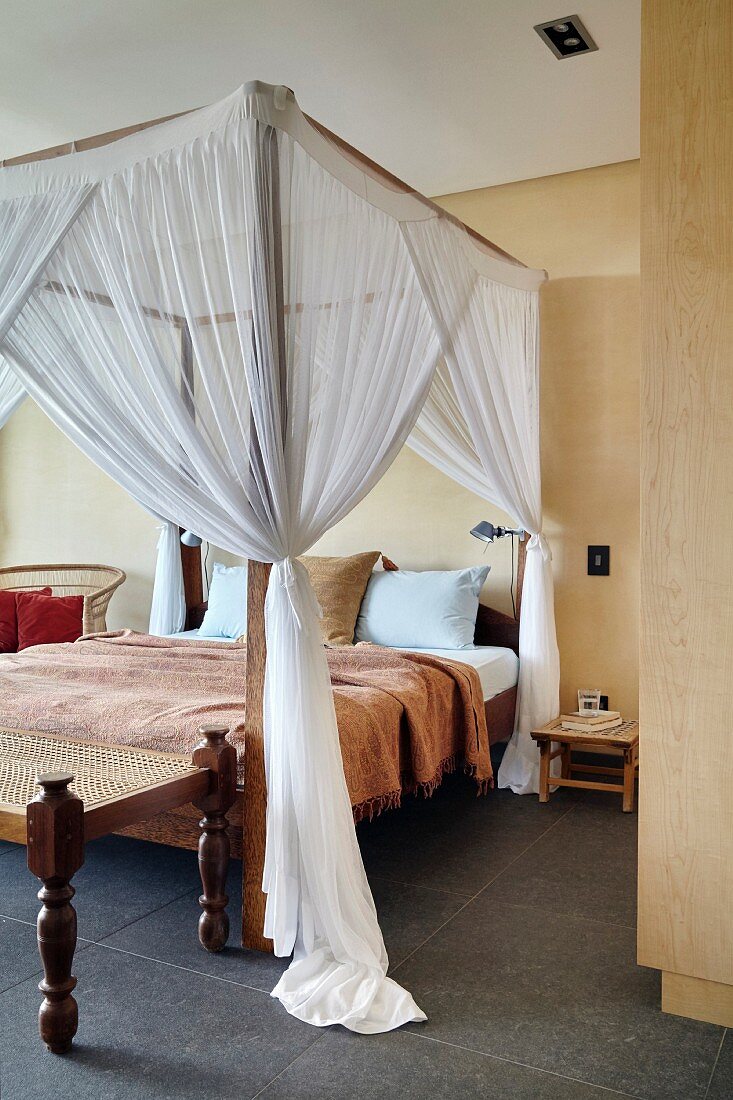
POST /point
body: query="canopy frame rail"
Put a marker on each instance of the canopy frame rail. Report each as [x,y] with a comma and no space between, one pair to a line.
[96,141]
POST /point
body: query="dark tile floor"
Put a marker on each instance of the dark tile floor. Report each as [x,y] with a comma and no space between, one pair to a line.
[511,922]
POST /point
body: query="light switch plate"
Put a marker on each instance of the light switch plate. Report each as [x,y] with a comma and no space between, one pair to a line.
[599,561]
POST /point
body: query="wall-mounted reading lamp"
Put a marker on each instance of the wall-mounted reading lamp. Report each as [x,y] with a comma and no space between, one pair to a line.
[188,538]
[487,532]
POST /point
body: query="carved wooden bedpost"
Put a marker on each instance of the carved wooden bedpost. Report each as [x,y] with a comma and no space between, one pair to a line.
[191,564]
[255,787]
[55,823]
[216,754]
[270,350]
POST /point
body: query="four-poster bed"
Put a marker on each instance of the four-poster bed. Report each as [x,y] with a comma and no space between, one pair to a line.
[242,322]
[404,720]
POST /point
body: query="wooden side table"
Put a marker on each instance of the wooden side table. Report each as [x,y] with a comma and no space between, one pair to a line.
[113,787]
[624,738]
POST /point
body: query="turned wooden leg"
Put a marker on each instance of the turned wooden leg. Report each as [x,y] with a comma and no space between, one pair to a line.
[55,824]
[545,750]
[216,754]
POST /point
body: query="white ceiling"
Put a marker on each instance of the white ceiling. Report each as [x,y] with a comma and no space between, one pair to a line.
[447,94]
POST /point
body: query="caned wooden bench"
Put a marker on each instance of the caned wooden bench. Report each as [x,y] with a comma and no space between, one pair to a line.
[86,791]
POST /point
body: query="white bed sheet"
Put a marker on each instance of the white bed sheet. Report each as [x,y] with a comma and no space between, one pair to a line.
[498,668]
[190,634]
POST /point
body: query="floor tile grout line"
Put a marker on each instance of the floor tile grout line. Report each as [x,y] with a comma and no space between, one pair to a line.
[134,954]
[22,981]
[484,887]
[308,1049]
[566,914]
[462,895]
[527,1065]
[17,920]
[542,836]
[177,966]
[114,931]
[144,916]
[715,1063]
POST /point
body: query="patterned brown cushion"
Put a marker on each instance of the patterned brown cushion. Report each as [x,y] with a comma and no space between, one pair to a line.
[340,584]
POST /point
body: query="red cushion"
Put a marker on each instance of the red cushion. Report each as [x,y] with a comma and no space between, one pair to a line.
[9,618]
[43,619]
[8,622]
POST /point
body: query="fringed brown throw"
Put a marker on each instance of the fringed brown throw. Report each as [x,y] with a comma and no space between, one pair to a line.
[405,719]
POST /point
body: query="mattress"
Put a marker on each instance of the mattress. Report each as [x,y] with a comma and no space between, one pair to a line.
[199,637]
[498,668]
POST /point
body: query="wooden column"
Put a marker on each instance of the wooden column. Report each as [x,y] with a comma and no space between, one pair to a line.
[193,582]
[255,789]
[269,353]
[686,686]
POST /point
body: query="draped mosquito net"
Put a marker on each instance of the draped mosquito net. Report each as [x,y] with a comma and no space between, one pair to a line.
[242,327]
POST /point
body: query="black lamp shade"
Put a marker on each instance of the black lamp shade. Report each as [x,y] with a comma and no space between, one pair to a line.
[484,531]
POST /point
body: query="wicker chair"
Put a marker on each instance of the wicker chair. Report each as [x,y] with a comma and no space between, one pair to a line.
[95,583]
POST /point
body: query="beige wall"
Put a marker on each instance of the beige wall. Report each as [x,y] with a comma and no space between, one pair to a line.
[56,506]
[583,227]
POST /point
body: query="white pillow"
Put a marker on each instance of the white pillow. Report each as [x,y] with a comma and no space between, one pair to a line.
[432,609]
[226,615]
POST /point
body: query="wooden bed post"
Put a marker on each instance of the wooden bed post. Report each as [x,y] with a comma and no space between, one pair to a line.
[521,562]
[268,331]
[254,808]
[193,582]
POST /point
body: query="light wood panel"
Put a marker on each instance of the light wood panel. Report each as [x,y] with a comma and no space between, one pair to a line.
[697,998]
[686,667]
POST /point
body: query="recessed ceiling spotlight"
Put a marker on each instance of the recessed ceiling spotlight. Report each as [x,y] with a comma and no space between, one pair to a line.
[566,37]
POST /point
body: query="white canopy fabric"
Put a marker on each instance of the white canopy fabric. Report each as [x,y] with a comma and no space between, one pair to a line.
[241,327]
[168,607]
[480,425]
[12,393]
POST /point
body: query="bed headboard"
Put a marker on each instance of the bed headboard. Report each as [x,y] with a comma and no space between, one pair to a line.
[193,585]
[492,627]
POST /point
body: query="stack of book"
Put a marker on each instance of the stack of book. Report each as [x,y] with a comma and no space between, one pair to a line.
[591,723]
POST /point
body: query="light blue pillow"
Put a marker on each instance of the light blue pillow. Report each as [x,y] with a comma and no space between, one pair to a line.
[226,615]
[435,610]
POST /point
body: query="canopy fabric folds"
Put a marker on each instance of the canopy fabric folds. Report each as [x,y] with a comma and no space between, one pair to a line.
[168,606]
[480,425]
[12,393]
[241,326]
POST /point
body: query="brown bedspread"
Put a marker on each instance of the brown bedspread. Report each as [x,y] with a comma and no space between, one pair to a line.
[404,719]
